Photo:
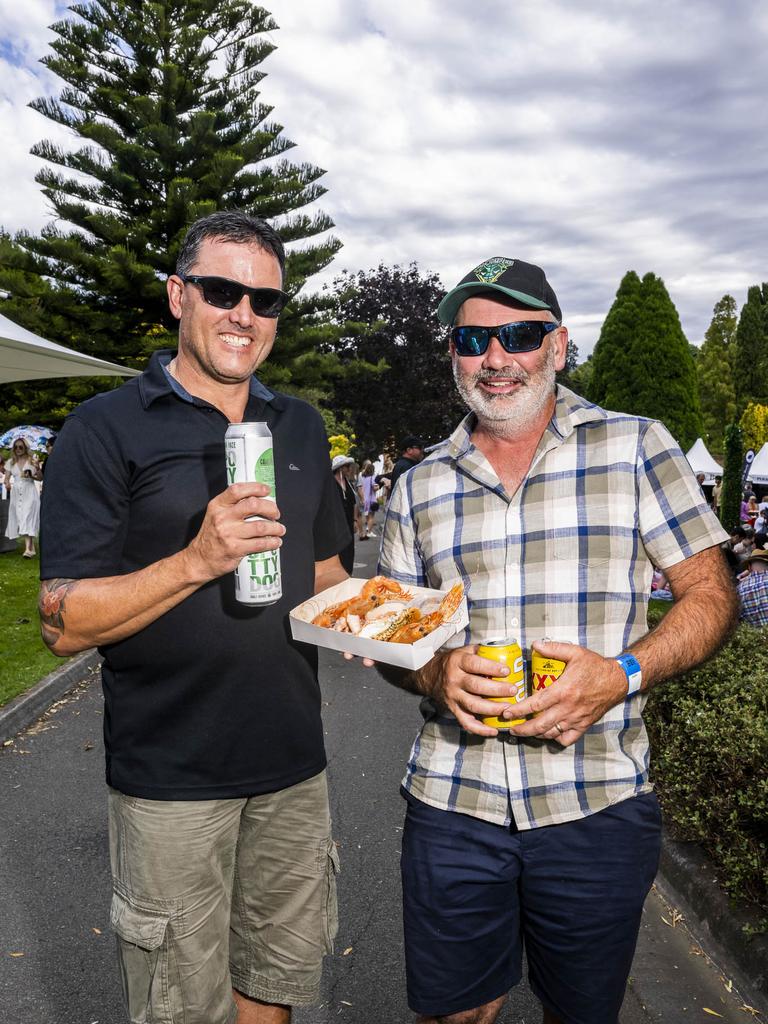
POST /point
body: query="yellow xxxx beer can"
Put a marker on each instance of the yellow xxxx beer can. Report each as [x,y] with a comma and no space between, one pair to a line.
[544,671]
[508,652]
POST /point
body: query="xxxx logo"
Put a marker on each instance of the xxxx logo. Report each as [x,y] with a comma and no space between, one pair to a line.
[543,679]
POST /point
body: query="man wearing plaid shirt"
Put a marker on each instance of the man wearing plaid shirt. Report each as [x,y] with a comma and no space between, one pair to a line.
[553,512]
[753,590]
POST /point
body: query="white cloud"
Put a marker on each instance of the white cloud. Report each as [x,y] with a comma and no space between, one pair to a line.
[591,138]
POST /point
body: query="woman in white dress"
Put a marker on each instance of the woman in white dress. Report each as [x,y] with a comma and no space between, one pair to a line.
[21,471]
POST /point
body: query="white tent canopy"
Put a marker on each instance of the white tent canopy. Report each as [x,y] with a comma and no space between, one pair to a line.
[27,356]
[758,471]
[702,462]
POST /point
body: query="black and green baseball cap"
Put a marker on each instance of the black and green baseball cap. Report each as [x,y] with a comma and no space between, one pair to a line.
[513,278]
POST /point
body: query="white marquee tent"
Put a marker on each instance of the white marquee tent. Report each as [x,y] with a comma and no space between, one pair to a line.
[758,471]
[27,356]
[702,462]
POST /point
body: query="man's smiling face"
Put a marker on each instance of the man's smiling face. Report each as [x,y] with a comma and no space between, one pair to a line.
[501,387]
[227,345]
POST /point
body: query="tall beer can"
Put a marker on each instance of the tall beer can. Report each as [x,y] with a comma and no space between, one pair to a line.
[250,459]
[509,653]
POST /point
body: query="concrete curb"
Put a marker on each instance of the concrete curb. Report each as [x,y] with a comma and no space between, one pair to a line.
[23,710]
[687,880]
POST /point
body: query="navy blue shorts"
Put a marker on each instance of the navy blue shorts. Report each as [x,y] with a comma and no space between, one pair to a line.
[475,894]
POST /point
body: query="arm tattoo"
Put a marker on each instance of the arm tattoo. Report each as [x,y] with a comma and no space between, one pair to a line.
[51,606]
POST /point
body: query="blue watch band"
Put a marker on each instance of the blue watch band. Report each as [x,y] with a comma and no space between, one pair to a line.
[633,672]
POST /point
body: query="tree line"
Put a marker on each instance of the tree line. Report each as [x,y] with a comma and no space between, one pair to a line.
[163,100]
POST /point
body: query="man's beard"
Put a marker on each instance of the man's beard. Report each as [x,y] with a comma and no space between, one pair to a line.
[512,414]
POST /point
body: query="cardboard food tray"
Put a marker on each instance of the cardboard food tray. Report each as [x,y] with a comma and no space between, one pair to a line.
[404,655]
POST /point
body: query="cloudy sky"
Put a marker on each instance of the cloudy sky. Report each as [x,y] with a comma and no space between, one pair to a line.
[590,137]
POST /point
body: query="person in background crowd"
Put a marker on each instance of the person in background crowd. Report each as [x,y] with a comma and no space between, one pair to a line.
[341,466]
[50,442]
[546,837]
[3,489]
[369,506]
[753,589]
[752,511]
[741,541]
[411,454]
[761,523]
[717,490]
[22,471]
[384,480]
[223,863]
[660,587]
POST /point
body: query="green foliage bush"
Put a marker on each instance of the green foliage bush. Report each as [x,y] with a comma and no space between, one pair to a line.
[709,760]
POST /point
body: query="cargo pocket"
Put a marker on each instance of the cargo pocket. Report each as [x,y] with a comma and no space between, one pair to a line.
[331,923]
[141,927]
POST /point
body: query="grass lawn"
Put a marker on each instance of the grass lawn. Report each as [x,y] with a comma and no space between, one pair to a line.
[25,658]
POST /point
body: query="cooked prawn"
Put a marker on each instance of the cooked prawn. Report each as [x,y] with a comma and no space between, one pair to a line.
[375,592]
[409,632]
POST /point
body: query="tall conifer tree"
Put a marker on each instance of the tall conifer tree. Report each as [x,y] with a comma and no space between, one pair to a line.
[164,97]
[733,462]
[717,395]
[750,365]
[642,361]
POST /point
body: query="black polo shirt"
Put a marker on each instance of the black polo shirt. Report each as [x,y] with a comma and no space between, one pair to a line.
[213,699]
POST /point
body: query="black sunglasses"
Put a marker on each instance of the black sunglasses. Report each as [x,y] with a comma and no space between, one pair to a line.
[226,294]
[520,336]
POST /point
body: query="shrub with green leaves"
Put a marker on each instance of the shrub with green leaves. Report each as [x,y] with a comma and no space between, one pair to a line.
[709,760]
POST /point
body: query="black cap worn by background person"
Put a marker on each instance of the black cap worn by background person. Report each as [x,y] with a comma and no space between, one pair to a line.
[513,278]
[411,442]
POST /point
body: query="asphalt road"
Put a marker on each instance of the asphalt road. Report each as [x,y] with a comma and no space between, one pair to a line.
[56,951]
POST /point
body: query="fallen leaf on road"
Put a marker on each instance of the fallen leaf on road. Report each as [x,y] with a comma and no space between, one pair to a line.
[712,1013]
[347,951]
[16,954]
[677,917]
[96,931]
[8,743]
[345,1003]
[88,745]
[728,985]
[749,1009]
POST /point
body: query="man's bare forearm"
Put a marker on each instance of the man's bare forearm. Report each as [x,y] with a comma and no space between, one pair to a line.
[422,681]
[705,612]
[78,614]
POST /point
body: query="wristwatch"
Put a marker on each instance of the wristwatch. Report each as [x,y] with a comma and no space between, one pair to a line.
[632,671]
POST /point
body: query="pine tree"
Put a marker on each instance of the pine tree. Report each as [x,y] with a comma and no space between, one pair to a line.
[717,395]
[750,366]
[733,464]
[164,97]
[608,383]
[642,360]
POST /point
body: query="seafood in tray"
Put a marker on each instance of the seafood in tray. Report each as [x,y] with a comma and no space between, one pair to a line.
[382,619]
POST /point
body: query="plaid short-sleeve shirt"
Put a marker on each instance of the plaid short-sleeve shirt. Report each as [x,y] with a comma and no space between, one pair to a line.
[569,556]
[753,594]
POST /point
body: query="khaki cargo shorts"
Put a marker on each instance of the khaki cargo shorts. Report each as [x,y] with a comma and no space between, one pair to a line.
[212,895]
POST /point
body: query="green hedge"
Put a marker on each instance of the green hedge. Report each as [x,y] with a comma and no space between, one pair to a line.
[709,760]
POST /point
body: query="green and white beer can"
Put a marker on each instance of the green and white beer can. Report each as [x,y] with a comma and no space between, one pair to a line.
[250,459]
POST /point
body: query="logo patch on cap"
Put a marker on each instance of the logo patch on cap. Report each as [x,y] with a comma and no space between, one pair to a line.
[490,271]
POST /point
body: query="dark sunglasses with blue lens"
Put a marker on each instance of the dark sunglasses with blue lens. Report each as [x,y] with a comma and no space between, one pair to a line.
[520,336]
[226,294]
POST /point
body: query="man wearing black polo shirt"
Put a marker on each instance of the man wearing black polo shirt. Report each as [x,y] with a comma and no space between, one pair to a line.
[411,454]
[222,858]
